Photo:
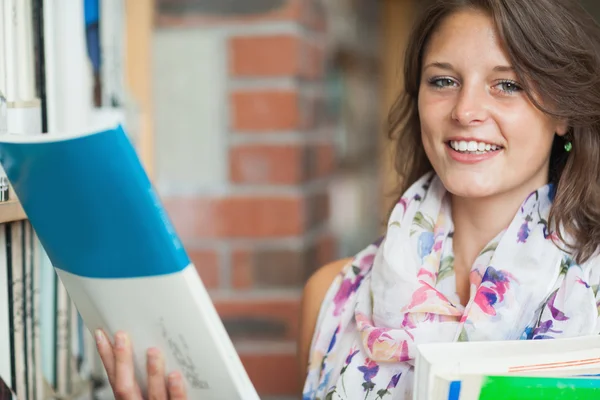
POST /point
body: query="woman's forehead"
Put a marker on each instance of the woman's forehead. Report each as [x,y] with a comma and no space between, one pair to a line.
[467,37]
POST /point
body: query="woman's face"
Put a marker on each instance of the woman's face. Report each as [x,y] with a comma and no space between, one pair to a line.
[480,132]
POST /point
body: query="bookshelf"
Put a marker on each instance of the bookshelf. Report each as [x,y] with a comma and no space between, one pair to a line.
[49,82]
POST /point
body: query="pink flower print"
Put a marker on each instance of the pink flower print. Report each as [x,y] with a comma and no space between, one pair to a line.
[377,335]
[407,323]
[366,262]
[425,272]
[431,299]
[347,288]
[402,353]
[493,287]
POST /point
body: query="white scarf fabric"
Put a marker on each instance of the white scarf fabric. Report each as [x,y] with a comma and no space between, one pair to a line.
[401,292]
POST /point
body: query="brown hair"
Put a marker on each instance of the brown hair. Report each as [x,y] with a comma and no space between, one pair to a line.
[556,45]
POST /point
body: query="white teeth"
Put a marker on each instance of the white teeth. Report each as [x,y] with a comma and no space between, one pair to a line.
[473,146]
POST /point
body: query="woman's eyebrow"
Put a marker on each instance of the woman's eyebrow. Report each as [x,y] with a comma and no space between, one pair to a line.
[448,67]
[440,65]
[504,68]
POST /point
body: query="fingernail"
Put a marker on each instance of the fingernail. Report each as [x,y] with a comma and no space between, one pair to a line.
[174,381]
[153,359]
[99,336]
[120,340]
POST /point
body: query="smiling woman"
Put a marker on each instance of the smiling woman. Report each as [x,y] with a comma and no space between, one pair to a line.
[497,136]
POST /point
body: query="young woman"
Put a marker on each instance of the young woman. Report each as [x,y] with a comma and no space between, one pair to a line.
[496,233]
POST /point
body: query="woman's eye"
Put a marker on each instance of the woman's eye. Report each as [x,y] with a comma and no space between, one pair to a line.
[509,86]
[442,82]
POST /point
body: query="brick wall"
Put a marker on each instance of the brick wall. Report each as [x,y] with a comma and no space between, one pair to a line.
[257,237]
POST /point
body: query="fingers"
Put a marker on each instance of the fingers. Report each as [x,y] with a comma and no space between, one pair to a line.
[125,385]
[105,351]
[176,387]
[157,387]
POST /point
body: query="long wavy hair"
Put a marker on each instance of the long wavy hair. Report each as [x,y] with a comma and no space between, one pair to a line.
[554,46]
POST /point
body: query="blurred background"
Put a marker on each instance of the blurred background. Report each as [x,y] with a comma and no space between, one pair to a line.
[268,148]
[264,132]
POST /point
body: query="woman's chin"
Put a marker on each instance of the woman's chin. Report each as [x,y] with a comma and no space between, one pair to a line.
[462,186]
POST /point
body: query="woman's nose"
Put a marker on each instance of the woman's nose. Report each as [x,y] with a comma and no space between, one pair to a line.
[470,107]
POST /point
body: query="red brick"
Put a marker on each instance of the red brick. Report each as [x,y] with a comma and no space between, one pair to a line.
[236,217]
[318,210]
[325,159]
[207,265]
[273,374]
[269,268]
[274,55]
[325,250]
[263,216]
[247,318]
[265,110]
[267,164]
[315,61]
[290,11]
[242,269]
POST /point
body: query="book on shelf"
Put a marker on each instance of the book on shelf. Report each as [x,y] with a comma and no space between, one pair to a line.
[513,369]
[112,245]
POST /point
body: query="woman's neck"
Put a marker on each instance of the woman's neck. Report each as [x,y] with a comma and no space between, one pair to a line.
[477,221]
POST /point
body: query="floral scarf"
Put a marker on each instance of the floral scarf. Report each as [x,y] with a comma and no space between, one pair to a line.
[401,291]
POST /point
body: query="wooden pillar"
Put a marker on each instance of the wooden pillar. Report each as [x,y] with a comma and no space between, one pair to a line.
[398,17]
[139,22]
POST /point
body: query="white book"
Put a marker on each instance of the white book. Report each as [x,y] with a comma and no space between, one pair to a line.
[440,366]
[115,251]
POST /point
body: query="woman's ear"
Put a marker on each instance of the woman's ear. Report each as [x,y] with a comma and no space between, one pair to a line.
[562,127]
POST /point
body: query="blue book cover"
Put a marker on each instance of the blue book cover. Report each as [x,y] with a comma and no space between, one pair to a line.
[112,245]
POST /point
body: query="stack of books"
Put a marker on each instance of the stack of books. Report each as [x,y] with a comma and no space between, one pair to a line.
[516,369]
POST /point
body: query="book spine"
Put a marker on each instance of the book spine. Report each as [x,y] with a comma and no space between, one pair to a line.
[15,250]
[542,388]
[29,313]
[37,342]
[7,360]
[63,340]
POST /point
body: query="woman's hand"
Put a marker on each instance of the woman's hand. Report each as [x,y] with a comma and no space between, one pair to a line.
[118,362]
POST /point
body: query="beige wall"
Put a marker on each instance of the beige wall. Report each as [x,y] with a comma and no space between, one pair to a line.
[139,23]
[398,16]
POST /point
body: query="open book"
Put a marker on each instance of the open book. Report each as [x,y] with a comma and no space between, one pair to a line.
[515,369]
[106,233]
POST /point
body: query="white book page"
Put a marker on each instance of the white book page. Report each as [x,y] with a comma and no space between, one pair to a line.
[6,372]
[174,313]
